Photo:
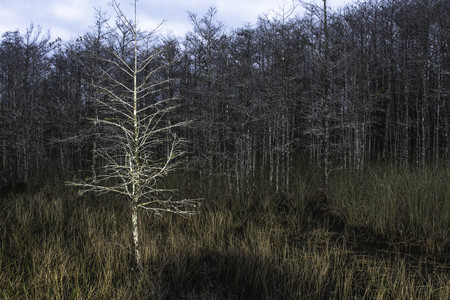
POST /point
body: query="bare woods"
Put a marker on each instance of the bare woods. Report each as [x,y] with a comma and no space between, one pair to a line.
[341,88]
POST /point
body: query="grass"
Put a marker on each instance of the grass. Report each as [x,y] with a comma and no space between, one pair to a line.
[262,246]
[403,205]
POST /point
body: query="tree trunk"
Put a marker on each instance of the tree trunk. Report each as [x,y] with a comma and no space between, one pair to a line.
[136,246]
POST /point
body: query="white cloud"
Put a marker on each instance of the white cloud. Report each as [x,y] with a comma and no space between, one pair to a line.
[70,11]
[71,18]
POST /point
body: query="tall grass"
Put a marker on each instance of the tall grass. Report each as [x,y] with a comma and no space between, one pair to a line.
[264,246]
[399,204]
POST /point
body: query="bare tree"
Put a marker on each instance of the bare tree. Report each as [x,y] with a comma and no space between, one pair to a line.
[142,147]
[23,68]
[322,117]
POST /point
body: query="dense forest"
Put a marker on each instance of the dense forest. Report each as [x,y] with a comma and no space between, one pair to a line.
[311,153]
[368,82]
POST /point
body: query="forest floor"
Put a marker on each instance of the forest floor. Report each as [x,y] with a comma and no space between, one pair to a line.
[257,245]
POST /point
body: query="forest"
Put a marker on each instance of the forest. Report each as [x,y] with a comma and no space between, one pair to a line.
[311,153]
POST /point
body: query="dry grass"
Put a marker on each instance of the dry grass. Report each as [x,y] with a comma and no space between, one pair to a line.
[57,246]
[404,205]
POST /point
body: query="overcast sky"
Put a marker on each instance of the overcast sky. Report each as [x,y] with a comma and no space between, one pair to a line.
[72,18]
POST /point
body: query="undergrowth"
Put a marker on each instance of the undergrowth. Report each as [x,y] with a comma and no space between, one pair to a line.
[254,245]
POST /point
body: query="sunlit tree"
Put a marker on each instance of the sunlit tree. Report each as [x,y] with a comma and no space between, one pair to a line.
[141,146]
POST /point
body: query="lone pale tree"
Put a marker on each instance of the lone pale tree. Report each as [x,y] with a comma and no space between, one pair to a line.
[142,147]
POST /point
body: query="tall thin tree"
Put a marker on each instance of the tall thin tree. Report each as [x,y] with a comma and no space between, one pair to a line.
[142,146]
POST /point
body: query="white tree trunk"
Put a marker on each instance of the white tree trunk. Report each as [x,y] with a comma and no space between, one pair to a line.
[136,245]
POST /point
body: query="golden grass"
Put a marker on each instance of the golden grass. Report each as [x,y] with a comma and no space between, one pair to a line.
[57,246]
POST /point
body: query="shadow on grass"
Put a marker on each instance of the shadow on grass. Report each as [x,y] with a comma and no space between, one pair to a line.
[217,275]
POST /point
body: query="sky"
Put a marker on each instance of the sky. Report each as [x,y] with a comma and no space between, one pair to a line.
[69,19]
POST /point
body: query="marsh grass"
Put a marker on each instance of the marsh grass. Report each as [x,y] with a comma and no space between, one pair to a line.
[262,246]
[402,205]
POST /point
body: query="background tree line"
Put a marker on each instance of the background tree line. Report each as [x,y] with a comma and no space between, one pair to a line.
[368,82]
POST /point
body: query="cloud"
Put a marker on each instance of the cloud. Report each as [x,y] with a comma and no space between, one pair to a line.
[71,18]
[239,13]
[11,16]
[70,11]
